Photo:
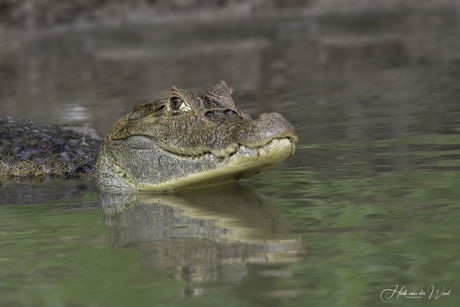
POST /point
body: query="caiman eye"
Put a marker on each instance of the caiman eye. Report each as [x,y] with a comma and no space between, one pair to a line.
[177,103]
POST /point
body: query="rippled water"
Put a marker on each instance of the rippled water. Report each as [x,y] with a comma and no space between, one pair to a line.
[369,202]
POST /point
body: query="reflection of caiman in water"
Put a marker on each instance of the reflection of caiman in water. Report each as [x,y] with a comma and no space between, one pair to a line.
[209,235]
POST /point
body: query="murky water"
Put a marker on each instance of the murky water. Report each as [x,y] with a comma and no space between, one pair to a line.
[370,201]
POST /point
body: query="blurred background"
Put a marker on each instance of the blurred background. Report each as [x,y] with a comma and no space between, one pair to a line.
[342,66]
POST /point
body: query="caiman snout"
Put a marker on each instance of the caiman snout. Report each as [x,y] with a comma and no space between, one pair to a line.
[267,127]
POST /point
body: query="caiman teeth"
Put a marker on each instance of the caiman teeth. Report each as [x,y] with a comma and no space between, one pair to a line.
[255,152]
[226,159]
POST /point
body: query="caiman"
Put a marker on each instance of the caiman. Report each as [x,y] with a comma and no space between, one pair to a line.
[181,142]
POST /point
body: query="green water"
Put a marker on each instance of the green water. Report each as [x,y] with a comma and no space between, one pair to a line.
[378,217]
[361,228]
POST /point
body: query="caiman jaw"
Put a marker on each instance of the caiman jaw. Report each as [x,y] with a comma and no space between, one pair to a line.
[183,173]
[255,152]
[244,163]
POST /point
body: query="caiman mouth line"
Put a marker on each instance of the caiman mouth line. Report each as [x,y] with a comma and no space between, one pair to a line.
[256,152]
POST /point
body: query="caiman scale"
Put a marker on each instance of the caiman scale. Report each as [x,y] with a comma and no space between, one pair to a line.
[181,142]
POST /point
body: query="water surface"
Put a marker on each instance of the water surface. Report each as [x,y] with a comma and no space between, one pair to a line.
[368,202]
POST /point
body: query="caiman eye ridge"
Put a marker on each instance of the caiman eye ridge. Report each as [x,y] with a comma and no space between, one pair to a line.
[255,152]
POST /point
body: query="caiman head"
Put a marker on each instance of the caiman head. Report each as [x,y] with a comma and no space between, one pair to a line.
[188,141]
